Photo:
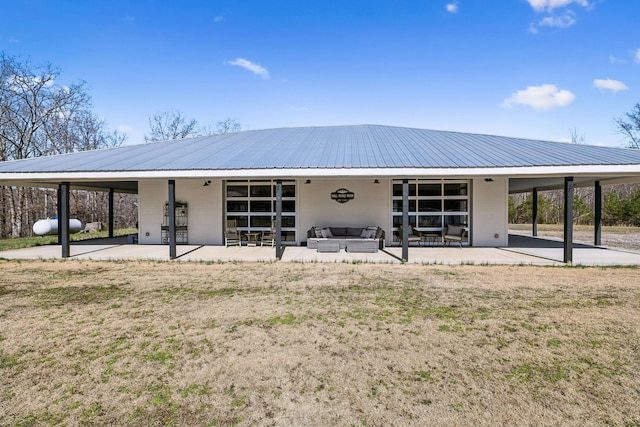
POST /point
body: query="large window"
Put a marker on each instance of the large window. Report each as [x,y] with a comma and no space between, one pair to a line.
[433,204]
[253,205]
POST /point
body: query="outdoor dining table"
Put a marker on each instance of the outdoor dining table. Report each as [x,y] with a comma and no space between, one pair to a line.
[431,238]
[252,238]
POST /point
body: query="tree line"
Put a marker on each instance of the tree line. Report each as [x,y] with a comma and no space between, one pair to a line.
[620,206]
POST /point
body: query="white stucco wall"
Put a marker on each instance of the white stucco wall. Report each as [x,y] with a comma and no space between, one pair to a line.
[370,206]
[490,212]
[204,210]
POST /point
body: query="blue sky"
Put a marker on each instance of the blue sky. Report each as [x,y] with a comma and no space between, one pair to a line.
[523,68]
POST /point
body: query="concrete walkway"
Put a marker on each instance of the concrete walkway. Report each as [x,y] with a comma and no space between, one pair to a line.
[522,250]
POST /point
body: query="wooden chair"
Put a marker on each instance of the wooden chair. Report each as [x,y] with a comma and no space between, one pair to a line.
[454,233]
[231,234]
[269,236]
[411,237]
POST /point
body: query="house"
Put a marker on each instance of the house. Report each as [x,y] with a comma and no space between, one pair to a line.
[295,175]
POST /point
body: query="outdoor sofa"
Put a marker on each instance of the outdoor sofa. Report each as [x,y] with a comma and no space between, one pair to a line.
[343,234]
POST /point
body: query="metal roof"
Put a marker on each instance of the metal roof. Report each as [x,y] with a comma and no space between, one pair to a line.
[336,147]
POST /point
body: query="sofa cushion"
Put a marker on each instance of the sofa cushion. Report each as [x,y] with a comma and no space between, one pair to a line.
[368,234]
[326,232]
[353,231]
[318,232]
[339,231]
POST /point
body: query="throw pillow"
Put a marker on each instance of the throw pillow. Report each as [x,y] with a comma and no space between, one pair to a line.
[378,234]
[318,232]
[326,232]
[366,234]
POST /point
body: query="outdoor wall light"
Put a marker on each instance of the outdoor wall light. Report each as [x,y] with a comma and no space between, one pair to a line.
[375,181]
[488,180]
[206,183]
[308,181]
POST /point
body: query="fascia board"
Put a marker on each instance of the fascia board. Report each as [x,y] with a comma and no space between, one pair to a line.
[513,172]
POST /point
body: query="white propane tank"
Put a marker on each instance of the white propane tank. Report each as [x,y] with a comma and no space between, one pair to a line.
[49,226]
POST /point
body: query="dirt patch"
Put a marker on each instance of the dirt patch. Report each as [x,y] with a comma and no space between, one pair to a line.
[145,343]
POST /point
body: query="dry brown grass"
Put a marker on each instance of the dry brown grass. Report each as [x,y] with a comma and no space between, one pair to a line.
[143,343]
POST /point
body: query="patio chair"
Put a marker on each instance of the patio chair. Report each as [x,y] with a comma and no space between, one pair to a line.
[231,234]
[412,237]
[454,233]
[269,236]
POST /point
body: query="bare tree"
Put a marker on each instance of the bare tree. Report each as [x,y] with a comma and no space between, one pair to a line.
[629,126]
[576,138]
[223,127]
[170,125]
[80,132]
[39,117]
[30,98]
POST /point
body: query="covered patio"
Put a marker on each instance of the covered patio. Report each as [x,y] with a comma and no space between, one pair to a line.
[397,179]
[522,250]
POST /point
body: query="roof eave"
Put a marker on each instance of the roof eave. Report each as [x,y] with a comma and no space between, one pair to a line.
[517,171]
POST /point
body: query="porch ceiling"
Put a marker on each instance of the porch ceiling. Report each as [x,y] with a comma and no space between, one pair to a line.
[523,185]
[119,186]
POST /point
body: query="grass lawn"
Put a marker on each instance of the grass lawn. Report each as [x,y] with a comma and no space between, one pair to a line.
[162,343]
[28,242]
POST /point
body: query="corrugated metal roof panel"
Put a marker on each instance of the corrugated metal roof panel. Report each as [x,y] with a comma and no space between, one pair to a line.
[366,146]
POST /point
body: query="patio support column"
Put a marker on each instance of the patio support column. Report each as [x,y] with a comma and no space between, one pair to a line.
[63,218]
[111,212]
[172,219]
[405,220]
[534,208]
[278,219]
[568,220]
[597,221]
[59,193]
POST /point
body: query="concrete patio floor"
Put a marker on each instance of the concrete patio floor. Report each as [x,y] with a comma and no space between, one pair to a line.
[521,250]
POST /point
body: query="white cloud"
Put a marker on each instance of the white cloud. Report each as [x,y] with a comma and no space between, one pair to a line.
[608,84]
[218,19]
[549,5]
[563,21]
[615,60]
[13,40]
[452,7]
[124,128]
[254,68]
[636,56]
[543,97]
